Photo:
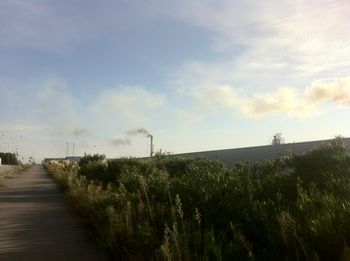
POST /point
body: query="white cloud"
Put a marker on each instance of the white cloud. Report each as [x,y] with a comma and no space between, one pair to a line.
[22,127]
[335,91]
[48,116]
[268,43]
[131,104]
[54,100]
[25,101]
[46,104]
[283,100]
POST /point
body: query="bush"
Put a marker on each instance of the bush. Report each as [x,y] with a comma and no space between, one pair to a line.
[296,207]
[8,158]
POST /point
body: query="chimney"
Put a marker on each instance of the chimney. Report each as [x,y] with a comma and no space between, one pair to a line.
[151,145]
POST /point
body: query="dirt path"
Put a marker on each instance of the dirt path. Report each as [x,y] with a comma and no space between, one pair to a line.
[36,222]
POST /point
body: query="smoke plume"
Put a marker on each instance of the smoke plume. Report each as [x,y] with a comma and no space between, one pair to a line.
[121,142]
[138,131]
[126,141]
[80,132]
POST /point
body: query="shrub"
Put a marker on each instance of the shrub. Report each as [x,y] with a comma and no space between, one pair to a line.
[296,207]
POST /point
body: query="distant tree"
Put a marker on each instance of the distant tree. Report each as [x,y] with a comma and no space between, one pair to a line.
[8,158]
[277,139]
[31,160]
[88,158]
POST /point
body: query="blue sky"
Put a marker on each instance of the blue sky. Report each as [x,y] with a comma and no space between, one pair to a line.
[198,75]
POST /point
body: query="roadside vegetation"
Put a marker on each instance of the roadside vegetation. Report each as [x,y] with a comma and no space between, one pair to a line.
[10,171]
[8,158]
[7,171]
[168,208]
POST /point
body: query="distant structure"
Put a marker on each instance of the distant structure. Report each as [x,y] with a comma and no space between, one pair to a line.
[277,139]
[151,145]
[71,158]
[260,153]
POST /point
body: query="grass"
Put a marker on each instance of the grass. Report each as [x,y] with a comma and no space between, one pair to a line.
[296,207]
[14,170]
[8,173]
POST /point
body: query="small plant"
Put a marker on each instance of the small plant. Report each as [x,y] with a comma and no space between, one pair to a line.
[296,207]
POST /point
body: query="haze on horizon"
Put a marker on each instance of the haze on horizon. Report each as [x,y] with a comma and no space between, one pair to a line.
[197,74]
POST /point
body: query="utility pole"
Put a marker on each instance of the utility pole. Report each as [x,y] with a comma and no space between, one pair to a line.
[67,149]
[73,148]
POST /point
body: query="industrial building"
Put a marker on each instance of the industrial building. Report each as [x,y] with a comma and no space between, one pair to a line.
[258,153]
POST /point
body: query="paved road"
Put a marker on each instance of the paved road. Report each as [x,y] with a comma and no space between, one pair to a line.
[36,222]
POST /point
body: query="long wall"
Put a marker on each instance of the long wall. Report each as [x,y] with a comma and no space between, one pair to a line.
[229,156]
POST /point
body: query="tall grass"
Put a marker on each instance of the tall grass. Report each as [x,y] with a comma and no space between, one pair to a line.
[293,208]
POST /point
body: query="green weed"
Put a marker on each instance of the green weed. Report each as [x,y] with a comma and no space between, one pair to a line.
[293,208]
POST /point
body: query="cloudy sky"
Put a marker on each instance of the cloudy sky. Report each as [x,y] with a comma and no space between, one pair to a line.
[197,74]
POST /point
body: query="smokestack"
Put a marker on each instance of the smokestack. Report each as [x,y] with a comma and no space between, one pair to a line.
[151,145]
[133,132]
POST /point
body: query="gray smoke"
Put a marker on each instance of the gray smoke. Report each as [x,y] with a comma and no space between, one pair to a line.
[138,131]
[127,140]
[80,132]
[121,142]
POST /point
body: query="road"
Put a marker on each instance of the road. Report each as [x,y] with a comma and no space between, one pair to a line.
[37,223]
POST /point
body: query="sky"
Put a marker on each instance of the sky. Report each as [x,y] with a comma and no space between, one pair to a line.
[196,74]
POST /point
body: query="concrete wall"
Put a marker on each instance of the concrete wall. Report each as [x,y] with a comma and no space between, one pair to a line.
[229,156]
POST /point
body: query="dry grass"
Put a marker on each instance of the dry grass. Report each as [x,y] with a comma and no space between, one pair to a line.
[10,172]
